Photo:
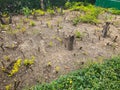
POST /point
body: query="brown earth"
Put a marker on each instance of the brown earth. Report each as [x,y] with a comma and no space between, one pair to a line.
[46,42]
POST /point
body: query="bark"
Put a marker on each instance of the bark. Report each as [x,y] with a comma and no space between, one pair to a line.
[69,41]
[105,30]
[42,4]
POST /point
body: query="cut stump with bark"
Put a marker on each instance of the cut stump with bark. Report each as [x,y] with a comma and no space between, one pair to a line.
[69,42]
[105,30]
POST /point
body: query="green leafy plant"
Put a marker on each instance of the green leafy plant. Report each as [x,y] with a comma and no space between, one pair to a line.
[96,76]
[26,11]
[78,34]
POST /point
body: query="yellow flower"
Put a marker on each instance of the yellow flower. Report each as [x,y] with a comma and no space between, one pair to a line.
[49,64]
[16,67]
[3,69]
[70,81]
[57,68]
[8,87]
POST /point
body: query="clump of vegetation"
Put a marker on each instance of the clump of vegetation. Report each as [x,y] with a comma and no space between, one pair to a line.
[8,87]
[89,13]
[57,69]
[38,12]
[16,67]
[50,11]
[7,57]
[94,77]
[114,11]
[26,11]
[32,23]
[28,62]
[50,43]
[60,11]
[49,64]
[78,34]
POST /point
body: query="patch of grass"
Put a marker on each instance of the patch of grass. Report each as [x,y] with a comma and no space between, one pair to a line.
[97,76]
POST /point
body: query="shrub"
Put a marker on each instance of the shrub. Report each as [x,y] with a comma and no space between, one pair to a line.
[26,11]
[114,11]
[104,76]
[89,14]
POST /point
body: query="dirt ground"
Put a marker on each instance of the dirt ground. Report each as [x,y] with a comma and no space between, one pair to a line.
[46,42]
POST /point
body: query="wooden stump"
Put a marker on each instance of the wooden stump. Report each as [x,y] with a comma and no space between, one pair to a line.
[69,41]
[105,30]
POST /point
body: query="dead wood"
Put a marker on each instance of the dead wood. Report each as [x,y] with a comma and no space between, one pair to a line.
[105,30]
[69,41]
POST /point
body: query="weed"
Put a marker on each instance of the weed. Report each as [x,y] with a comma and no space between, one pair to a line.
[50,11]
[23,29]
[60,27]
[78,34]
[57,69]
[49,64]
[114,11]
[48,24]
[18,26]
[38,12]
[7,58]
[29,62]
[26,11]
[50,43]
[16,67]
[32,23]
[60,11]
[59,39]
[8,87]
[76,21]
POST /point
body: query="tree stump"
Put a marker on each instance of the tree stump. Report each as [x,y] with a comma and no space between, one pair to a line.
[69,41]
[105,30]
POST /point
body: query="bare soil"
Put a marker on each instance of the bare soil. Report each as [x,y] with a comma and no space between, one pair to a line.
[46,42]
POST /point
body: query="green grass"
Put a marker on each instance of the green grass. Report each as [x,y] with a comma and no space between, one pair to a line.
[105,76]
